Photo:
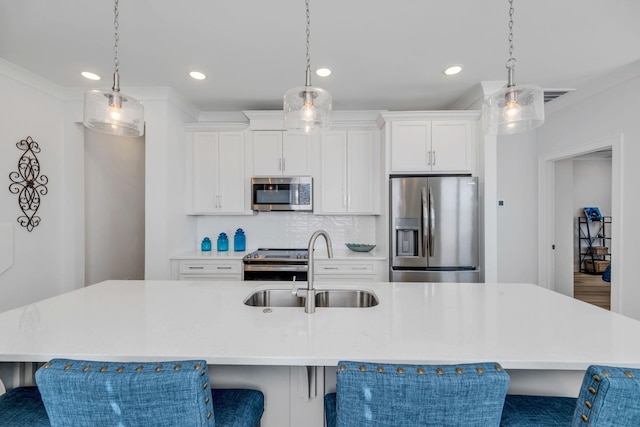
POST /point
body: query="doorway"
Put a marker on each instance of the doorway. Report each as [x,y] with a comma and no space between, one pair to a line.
[558,213]
[592,188]
[114,207]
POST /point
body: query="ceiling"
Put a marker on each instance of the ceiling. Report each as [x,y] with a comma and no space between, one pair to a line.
[384,54]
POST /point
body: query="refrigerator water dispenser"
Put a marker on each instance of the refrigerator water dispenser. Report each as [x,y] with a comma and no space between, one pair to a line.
[407,236]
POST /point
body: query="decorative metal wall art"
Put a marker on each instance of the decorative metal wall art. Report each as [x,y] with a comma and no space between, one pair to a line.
[28,183]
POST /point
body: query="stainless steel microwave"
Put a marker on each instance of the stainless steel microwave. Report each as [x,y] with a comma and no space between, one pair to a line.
[282,194]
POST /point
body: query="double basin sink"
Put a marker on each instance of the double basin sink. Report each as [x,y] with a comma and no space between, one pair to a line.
[277,297]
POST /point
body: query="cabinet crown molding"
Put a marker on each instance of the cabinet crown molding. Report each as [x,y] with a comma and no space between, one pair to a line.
[388,116]
[348,119]
[215,127]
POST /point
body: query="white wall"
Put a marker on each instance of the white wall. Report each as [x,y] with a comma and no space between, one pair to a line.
[604,115]
[564,216]
[50,260]
[114,207]
[591,187]
[38,256]
[168,230]
[517,186]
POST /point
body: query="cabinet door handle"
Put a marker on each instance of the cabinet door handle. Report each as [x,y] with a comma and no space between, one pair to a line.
[434,158]
[280,164]
[220,201]
[284,164]
[196,268]
[225,267]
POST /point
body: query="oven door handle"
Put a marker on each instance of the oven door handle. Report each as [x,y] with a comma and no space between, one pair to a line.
[276,268]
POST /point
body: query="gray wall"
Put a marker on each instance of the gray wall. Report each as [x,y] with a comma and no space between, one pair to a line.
[114,207]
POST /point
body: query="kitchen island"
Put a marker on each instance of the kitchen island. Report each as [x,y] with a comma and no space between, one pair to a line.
[544,339]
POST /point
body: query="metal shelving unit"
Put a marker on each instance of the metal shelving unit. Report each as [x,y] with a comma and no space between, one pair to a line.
[593,243]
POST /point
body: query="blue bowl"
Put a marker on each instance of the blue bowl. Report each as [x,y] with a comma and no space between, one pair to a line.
[360,247]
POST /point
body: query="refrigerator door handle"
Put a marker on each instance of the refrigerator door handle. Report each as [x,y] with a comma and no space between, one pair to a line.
[432,222]
[425,222]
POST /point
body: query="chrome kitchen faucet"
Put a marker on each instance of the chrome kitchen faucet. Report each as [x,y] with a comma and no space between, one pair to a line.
[310,292]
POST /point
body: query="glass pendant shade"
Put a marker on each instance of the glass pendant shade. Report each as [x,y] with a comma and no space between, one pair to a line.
[513,109]
[307,109]
[113,113]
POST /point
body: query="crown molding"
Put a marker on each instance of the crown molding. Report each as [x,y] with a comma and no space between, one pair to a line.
[21,75]
[387,116]
[215,127]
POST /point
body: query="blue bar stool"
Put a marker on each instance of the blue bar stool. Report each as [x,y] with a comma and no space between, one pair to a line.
[609,396]
[22,407]
[371,394]
[92,393]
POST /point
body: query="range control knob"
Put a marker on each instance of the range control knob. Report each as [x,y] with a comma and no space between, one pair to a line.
[256,255]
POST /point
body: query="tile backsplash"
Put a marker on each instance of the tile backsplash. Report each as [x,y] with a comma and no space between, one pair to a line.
[289,229]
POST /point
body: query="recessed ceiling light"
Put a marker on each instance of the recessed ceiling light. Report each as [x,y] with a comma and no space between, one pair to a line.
[323,72]
[197,75]
[90,76]
[452,70]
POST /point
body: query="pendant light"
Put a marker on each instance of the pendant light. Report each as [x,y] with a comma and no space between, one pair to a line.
[513,109]
[307,108]
[113,112]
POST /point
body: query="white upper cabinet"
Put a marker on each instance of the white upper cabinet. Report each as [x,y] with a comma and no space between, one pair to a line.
[451,146]
[216,173]
[281,153]
[431,146]
[349,173]
[410,146]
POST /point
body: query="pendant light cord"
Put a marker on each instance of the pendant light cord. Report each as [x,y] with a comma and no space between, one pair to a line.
[511,62]
[308,71]
[116,73]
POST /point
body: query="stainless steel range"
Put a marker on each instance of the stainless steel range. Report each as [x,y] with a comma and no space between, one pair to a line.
[276,264]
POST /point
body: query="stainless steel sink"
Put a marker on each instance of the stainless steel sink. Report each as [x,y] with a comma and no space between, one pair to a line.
[274,298]
[345,298]
[353,298]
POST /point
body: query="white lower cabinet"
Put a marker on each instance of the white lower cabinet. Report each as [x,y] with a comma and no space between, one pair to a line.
[336,270]
[208,270]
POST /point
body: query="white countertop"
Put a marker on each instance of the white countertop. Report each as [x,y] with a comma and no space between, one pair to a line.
[199,255]
[521,326]
[320,253]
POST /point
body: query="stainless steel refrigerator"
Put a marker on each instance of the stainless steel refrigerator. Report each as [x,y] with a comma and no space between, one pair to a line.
[434,229]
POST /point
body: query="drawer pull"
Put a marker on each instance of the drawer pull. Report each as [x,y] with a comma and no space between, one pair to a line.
[330,268]
[228,267]
[359,268]
[196,268]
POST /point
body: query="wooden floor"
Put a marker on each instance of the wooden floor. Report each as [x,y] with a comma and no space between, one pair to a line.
[592,289]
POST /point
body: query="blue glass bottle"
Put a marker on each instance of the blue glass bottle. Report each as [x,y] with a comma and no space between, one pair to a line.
[223,242]
[239,240]
[205,246]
